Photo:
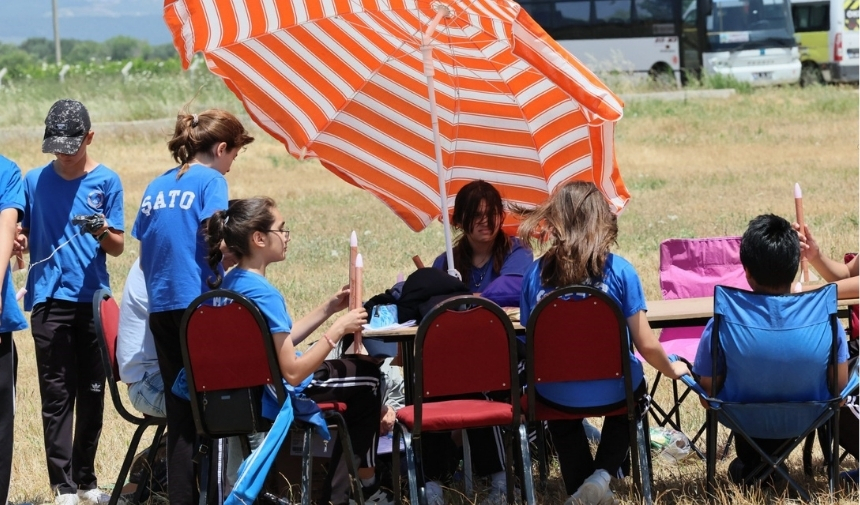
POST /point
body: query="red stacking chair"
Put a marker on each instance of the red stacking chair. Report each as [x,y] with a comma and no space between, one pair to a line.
[229,358]
[106,318]
[579,334]
[465,345]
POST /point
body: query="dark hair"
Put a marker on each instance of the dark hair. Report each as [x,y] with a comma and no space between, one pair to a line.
[580,228]
[467,211]
[770,252]
[235,226]
[197,133]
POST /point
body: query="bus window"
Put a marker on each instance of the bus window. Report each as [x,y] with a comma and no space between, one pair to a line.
[573,13]
[612,11]
[659,11]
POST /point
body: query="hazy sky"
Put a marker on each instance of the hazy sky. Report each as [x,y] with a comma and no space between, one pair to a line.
[83,19]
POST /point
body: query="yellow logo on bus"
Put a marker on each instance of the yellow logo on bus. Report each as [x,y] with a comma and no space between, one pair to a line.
[852,13]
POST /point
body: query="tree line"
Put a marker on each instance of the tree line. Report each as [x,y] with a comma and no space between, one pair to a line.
[39,50]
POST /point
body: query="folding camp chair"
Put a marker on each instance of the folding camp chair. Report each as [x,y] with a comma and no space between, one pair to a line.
[229,358]
[464,345]
[106,318]
[760,337]
[578,333]
[691,268]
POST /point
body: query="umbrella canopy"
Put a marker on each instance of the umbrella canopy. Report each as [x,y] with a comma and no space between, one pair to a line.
[345,81]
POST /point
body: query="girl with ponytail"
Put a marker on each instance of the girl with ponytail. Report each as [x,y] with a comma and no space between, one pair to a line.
[254,232]
[169,225]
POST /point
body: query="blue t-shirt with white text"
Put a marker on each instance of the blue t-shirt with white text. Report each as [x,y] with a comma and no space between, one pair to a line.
[65,263]
[621,282]
[169,225]
[11,197]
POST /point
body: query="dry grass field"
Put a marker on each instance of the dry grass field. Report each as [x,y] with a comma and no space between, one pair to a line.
[694,168]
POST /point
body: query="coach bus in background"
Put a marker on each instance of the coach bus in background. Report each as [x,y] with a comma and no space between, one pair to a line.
[829,38]
[749,40]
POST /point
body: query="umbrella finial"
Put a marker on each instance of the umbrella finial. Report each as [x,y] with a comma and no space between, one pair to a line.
[446,10]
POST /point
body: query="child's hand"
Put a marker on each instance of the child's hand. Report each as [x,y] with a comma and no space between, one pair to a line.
[808,246]
[679,369]
[386,423]
[340,300]
[351,321]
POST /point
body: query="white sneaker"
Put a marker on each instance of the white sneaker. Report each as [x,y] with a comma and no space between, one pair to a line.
[594,491]
[433,493]
[93,496]
[66,499]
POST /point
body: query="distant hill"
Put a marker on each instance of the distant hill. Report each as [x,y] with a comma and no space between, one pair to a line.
[83,19]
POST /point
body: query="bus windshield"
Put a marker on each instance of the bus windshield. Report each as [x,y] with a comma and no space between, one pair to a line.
[735,25]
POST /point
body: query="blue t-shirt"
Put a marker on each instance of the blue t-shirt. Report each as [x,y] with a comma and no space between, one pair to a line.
[516,262]
[78,269]
[172,244]
[622,284]
[268,299]
[11,197]
[704,365]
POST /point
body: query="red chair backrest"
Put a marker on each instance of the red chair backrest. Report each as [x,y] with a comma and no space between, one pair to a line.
[576,338]
[463,351]
[854,310]
[226,348]
[108,320]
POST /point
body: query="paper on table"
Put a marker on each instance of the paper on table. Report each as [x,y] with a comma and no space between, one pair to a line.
[407,324]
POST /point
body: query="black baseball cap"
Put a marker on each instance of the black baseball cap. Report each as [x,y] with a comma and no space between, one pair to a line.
[66,126]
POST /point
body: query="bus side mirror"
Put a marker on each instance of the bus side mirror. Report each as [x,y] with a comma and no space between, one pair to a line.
[707,7]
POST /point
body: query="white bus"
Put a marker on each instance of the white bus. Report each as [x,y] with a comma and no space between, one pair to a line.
[750,40]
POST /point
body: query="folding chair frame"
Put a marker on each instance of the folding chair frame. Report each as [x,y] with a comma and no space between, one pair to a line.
[107,338]
[412,440]
[639,440]
[716,414]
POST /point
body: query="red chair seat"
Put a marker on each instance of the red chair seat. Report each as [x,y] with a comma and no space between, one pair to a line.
[458,414]
[544,412]
[338,407]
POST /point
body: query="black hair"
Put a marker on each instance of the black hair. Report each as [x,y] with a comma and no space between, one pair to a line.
[467,211]
[235,226]
[770,252]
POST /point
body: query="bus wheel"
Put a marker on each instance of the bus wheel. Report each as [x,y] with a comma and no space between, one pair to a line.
[662,76]
[810,75]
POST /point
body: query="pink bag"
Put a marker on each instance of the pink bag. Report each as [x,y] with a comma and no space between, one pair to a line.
[690,268]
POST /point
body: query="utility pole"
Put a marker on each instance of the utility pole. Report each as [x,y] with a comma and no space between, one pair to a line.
[56,33]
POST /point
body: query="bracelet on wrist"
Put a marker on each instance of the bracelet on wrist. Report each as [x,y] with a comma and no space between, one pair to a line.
[103,235]
[330,341]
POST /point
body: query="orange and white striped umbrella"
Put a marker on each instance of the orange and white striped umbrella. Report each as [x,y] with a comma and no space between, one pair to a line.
[344,81]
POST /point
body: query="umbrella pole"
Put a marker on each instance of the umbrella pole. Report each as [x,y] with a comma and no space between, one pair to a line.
[427,53]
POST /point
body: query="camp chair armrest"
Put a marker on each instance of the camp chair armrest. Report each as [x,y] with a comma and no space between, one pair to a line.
[691,383]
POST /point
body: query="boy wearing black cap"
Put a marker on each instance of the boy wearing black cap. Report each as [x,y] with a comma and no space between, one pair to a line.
[73,217]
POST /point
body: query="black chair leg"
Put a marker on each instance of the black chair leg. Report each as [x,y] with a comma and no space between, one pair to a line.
[150,461]
[126,464]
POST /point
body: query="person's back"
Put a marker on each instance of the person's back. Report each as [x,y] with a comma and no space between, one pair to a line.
[762,359]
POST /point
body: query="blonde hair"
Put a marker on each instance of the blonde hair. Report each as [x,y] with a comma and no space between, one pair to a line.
[196,133]
[577,224]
